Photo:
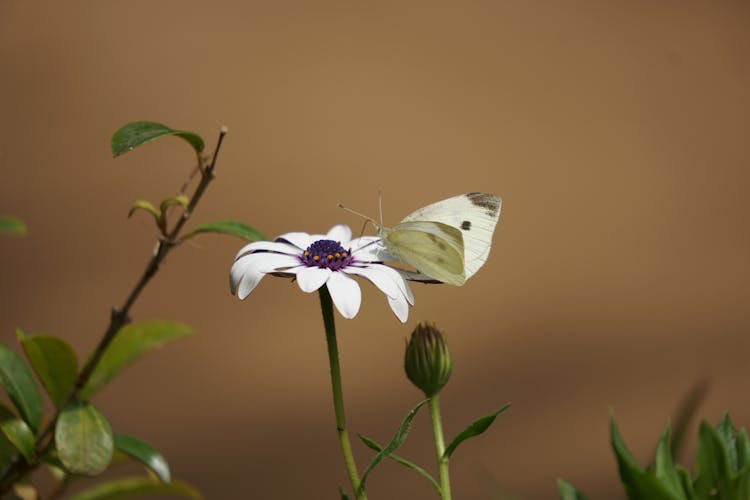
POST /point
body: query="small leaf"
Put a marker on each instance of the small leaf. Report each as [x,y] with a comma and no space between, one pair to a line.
[129,344]
[8,452]
[136,487]
[712,463]
[55,364]
[743,450]
[476,428]
[664,470]
[569,492]
[726,431]
[398,439]
[229,227]
[19,384]
[83,439]
[406,463]
[11,225]
[181,200]
[639,484]
[144,205]
[343,494]
[687,484]
[145,454]
[135,134]
[18,433]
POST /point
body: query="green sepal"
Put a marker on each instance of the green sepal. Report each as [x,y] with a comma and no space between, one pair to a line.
[18,382]
[11,225]
[83,439]
[144,453]
[373,445]
[130,343]
[135,134]
[136,487]
[18,433]
[230,227]
[569,492]
[474,429]
[54,362]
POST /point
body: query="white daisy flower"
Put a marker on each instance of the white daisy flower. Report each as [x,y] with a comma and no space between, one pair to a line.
[316,260]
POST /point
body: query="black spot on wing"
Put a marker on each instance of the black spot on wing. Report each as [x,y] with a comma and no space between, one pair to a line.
[466,225]
[484,200]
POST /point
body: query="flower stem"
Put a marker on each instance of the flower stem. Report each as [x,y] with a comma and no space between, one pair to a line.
[326,305]
[437,430]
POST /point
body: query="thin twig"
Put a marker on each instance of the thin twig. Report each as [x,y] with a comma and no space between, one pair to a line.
[119,318]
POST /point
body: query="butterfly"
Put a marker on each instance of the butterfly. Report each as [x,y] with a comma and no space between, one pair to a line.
[447,241]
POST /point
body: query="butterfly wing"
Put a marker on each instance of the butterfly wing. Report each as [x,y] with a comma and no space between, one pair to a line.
[434,248]
[475,215]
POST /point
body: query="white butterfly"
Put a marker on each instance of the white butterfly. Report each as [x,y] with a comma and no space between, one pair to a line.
[447,241]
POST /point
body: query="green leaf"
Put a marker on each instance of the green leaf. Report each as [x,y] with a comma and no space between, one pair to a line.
[181,200]
[639,484]
[19,384]
[18,433]
[145,454]
[726,431]
[144,205]
[712,463]
[743,449]
[129,344]
[54,362]
[687,484]
[229,227]
[11,225]
[398,439]
[474,429]
[8,452]
[569,492]
[373,445]
[664,470]
[83,439]
[343,494]
[135,134]
[136,487]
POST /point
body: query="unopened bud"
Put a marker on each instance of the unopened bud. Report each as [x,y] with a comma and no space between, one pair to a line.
[427,361]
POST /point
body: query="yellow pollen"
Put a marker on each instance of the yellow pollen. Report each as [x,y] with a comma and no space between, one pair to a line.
[338,255]
[307,253]
[316,257]
[330,257]
[343,254]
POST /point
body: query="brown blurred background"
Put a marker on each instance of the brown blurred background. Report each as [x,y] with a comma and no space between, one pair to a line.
[616,132]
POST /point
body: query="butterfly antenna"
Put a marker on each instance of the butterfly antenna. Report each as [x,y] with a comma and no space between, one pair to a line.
[380,206]
[367,219]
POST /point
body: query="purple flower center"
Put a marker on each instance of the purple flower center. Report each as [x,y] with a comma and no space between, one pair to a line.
[327,254]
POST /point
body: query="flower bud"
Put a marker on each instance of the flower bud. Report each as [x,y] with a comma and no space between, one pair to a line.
[427,361]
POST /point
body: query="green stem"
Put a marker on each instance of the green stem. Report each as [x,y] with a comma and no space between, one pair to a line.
[437,430]
[326,305]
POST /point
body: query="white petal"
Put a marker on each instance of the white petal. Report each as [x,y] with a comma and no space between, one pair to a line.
[272,246]
[258,263]
[247,283]
[310,279]
[380,279]
[345,293]
[398,278]
[298,239]
[400,308]
[340,233]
